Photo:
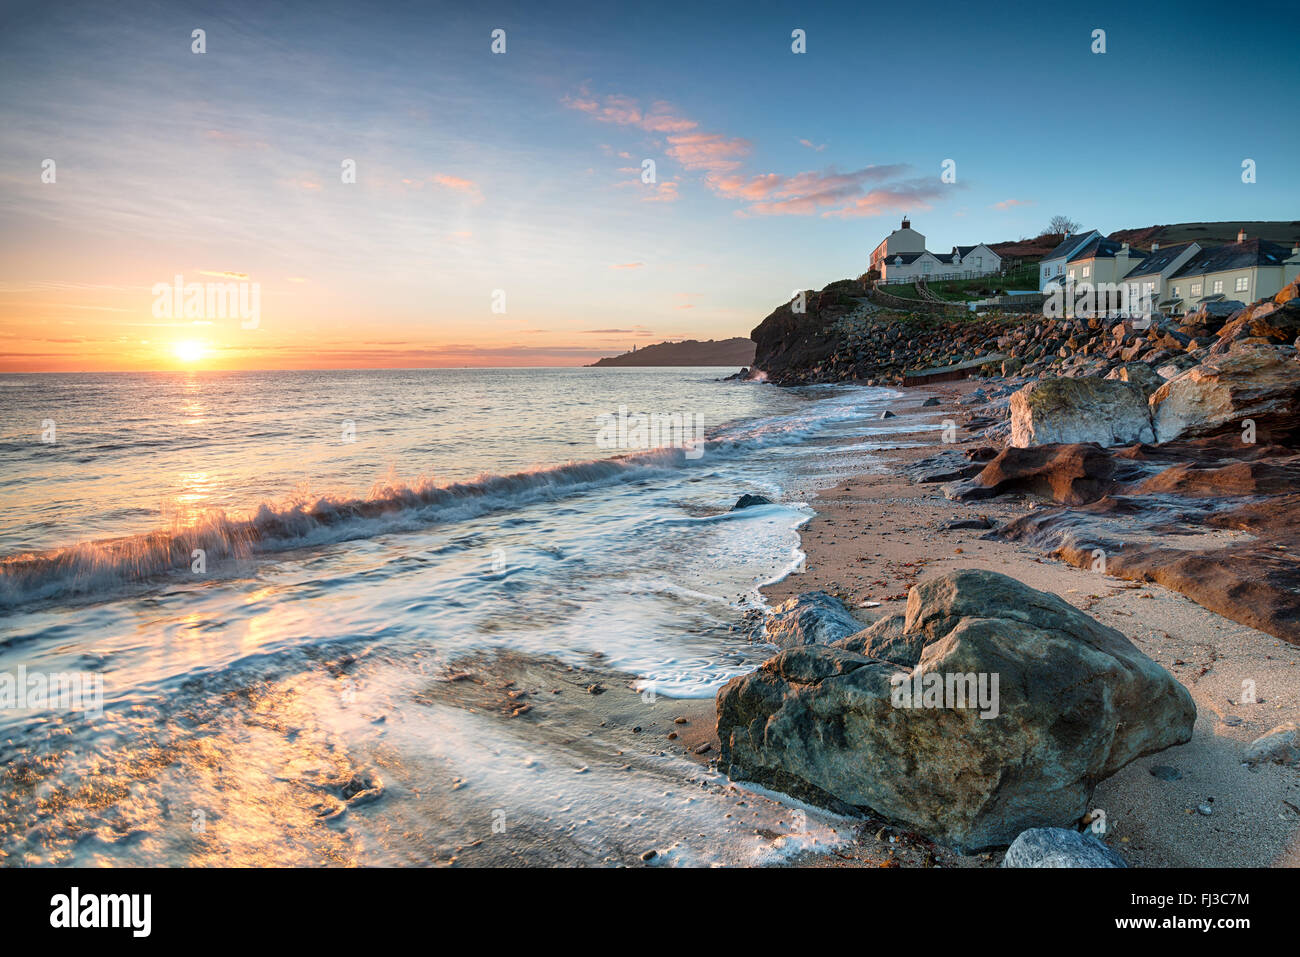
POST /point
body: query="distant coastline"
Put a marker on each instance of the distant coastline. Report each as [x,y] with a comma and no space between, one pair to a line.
[691,352]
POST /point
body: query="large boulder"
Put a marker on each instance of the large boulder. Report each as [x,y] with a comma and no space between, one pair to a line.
[1105,411]
[1058,847]
[811,618]
[1250,381]
[1022,704]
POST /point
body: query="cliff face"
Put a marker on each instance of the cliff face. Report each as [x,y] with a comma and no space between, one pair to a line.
[790,345]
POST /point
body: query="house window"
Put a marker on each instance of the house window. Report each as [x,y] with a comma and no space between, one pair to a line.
[1147,288]
[1243,283]
[1087,271]
[979,262]
[1178,292]
[1218,285]
[1196,289]
[1072,274]
[925,267]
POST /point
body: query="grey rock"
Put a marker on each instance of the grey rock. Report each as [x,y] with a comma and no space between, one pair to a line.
[1279,746]
[811,618]
[1058,847]
[1165,773]
[1075,703]
[947,466]
[749,501]
[1105,411]
[886,640]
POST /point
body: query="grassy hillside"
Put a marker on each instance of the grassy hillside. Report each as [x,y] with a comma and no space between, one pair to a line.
[1210,234]
[1207,234]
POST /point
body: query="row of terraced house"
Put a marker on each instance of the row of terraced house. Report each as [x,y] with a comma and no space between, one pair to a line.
[1174,279]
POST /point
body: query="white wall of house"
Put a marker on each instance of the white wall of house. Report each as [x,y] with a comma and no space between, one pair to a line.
[1247,284]
[904,240]
[1104,268]
[1157,283]
[978,262]
[926,265]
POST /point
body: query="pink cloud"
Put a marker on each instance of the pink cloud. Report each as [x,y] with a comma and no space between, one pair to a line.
[721,157]
[1009,203]
[626,265]
[625,111]
[915,194]
[804,193]
[458,184]
[708,151]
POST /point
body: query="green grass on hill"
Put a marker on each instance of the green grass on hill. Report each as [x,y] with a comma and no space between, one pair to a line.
[1024,276]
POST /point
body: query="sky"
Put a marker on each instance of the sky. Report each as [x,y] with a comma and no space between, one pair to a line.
[499,213]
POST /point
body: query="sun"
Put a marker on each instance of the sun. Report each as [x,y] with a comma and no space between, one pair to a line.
[189,350]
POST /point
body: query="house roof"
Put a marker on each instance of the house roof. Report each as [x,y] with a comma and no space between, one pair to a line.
[1158,261]
[1069,244]
[1251,252]
[1101,248]
[907,258]
[967,250]
[942,257]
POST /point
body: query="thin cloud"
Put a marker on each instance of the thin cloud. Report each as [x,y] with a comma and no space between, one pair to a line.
[916,194]
[1011,203]
[708,151]
[868,191]
[664,192]
[661,117]
[458,184]
[626,265]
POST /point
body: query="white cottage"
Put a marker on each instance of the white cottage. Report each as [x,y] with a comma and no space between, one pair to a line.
[902,257]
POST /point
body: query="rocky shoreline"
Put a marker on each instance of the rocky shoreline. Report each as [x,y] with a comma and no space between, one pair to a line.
[1123,457]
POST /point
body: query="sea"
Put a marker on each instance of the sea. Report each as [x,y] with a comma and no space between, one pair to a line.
[224,597]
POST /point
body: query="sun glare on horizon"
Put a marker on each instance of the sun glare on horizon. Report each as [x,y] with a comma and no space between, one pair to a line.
[189,350]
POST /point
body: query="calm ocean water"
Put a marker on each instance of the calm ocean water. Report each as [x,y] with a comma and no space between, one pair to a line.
[262,570]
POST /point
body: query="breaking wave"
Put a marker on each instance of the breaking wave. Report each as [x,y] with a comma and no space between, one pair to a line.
[93,568]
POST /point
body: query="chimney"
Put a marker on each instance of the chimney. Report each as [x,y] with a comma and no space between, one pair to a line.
[1155,247]
[1123,250]
[1241,235]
